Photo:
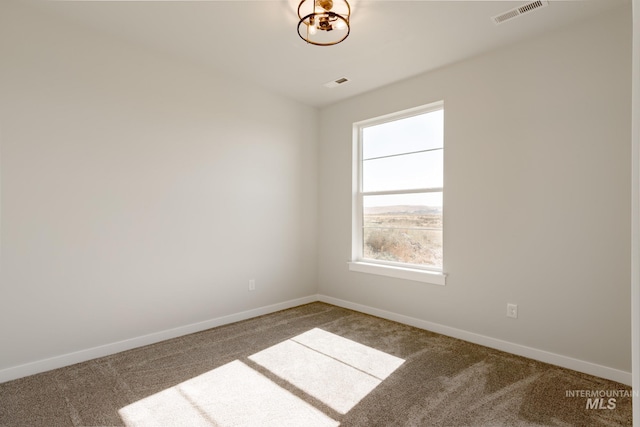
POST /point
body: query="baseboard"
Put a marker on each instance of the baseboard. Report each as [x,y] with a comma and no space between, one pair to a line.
[36,367]
[520,350]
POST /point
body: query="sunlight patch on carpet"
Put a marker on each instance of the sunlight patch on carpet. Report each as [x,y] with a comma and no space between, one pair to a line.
[231,395]
[335,370]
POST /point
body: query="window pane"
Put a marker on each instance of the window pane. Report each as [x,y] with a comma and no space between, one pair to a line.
[403,228]
[423,247]
[417,204]
[416,133]
[404,172]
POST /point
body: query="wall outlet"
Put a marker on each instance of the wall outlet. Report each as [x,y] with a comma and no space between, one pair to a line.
[512,310]
[252,284]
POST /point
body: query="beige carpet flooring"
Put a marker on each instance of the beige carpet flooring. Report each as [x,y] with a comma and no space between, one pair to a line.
[313,365]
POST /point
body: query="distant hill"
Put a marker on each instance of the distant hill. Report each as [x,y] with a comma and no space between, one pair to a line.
[403,210]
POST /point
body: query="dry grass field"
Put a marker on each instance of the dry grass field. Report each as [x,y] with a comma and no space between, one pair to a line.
[411,236]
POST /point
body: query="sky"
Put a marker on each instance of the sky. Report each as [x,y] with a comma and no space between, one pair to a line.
[387,166]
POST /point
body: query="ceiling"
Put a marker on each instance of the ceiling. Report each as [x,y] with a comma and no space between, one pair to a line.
[256,41]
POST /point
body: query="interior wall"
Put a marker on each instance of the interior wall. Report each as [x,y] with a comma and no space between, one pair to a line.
[536,205]
[140,193]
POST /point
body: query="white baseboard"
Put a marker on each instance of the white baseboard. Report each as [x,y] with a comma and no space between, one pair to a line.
[36,367]
[520,350]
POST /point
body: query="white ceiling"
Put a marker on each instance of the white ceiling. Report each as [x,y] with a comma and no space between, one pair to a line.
[257,41]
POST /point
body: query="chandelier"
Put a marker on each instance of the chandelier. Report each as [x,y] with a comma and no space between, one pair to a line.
[323,22]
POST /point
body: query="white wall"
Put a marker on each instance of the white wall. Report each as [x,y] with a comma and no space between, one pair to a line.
[139,193]
[537,184]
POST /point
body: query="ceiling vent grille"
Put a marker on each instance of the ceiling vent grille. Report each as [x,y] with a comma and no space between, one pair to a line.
[336,83]
[518,11]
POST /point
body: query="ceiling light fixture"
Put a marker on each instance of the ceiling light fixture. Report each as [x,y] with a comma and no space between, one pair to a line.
[324,22]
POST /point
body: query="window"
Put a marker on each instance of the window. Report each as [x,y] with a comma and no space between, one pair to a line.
[398,189]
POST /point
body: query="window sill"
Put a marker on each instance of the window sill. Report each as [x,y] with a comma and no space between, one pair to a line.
[433,277]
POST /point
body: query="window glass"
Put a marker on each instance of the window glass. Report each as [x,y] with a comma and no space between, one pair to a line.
[399,202]
[403,228]
[403,172]
[416,133]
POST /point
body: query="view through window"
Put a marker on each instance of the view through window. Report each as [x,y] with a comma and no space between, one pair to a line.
[398,211]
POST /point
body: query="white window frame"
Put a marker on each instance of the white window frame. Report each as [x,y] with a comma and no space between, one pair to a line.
[358,263]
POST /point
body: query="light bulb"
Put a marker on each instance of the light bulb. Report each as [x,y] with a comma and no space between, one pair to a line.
[312,29]
[340,25]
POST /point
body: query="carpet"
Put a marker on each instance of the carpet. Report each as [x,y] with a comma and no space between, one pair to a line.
[313,365]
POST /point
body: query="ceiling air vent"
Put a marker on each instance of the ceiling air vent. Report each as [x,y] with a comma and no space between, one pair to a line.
[518,11]
[336,83]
